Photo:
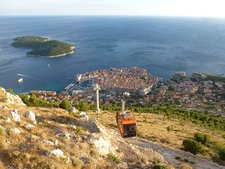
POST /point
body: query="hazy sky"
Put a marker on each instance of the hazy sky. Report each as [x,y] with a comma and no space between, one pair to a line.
[211,8]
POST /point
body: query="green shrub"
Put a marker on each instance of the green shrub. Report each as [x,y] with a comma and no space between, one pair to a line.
[192,146]
[33,100]
[78,129]
[202,138]
[113,158]
[65,104]
[170,128]
[222,154]
[83,106]
[10,91]
[159,166]
[170,88]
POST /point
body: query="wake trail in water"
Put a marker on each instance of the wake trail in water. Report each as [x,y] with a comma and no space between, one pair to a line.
[27,76]
[22,75]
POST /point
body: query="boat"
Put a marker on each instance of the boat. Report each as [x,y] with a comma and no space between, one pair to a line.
[20,80]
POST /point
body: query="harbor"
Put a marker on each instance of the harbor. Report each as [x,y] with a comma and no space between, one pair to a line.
[74,88]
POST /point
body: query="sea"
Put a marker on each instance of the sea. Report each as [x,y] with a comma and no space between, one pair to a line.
[162,45]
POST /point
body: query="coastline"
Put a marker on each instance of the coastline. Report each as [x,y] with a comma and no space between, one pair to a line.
[62,55]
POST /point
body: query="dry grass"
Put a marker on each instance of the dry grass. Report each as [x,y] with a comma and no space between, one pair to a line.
[27,148]
[157,128]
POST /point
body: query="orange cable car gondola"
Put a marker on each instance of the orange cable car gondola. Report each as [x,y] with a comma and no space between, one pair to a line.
[126,122]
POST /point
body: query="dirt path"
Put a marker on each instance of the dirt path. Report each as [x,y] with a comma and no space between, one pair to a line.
[170,154]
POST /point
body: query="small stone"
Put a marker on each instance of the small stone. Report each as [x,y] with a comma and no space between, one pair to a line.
[8,120]
[29,126]
[73,110]
[30,115]
[57,153]
[48,142]
[68,160]
[74,127]
[34,137]
[56,142]
[84,116]
[85,138]
[65,135]
[15,115]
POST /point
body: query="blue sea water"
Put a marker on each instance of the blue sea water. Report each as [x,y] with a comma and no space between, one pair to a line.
[162,45]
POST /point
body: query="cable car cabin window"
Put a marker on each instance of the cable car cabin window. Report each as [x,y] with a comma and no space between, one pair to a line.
[127,115]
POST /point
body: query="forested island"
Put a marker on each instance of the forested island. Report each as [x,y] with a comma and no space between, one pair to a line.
[42,46]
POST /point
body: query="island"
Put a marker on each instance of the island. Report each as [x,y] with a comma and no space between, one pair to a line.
[42,46]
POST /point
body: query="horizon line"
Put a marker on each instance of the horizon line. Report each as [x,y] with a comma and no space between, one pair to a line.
[122,15]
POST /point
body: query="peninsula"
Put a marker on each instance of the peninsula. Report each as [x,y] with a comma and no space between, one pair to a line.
[42,46]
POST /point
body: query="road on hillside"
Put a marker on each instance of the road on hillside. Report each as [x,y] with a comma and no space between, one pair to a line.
[170,154]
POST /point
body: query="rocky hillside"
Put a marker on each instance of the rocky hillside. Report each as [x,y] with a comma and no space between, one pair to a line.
[52,138]
[7,99]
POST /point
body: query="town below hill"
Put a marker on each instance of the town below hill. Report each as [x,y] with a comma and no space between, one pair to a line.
[42,46]
[203,93]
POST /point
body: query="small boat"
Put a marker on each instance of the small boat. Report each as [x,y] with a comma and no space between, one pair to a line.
[20,80]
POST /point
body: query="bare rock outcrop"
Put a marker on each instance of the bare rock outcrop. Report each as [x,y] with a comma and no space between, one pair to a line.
[7,98]
[15,115]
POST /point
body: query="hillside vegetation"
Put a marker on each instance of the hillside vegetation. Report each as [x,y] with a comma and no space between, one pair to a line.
[52,138]
[43,46]
[215,78]
[167,110]
[173,111]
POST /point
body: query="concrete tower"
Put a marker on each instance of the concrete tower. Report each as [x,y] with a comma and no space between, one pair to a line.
[123,105]
[97,88]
